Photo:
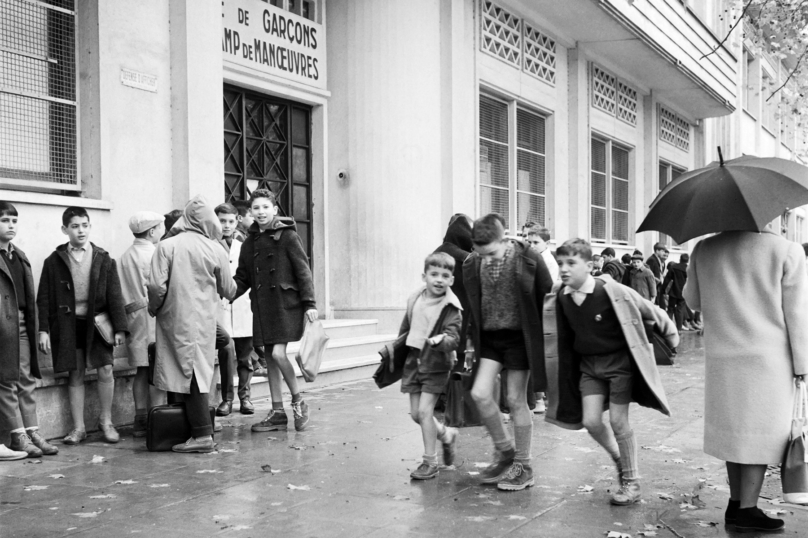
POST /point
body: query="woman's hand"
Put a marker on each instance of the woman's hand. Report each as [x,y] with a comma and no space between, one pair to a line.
[120,338]
[44,342]
[312,315]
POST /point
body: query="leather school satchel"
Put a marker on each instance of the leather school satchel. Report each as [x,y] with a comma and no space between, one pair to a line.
[167,426]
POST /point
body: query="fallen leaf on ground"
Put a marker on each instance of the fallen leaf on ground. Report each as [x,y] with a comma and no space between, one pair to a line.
[34,488]
[87,514]
[34,461]
[125,482]
[473,473]
[223,517]
[650,527]
[585,489]
[662,448]
[665,496]
[679,460]
[480,519]
[208,471]
[57,476]
[275,504]
[515,517]
[647,533]
[159,485]
[98,459]
[615,534]
[707,524]
[776,512]
[584,449]
[494,503]
[241,528]
[480,465]
[226,450]
[618,524]
[300,447]
[685,506]
[301,488]
[379,407]
[401,498]
[385,438]
[107,496]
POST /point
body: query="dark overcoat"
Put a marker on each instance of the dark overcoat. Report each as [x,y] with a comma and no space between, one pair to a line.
[275,269]
[56,301]
[10,322]
[534,283]
[457,244]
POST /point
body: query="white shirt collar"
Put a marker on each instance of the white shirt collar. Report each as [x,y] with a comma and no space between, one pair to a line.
[587,287]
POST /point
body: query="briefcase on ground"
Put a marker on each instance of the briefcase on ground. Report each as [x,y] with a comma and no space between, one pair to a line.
[167,426]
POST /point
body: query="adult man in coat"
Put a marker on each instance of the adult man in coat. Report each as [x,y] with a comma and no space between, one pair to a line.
[656,263]
[189,272]
[676,279]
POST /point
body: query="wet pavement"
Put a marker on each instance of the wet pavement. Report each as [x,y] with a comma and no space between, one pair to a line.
[348,475]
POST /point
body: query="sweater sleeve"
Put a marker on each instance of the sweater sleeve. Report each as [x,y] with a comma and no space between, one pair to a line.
[691,292]
[300,266]
[795,306]
[451,331]
[43,298]
[244,269]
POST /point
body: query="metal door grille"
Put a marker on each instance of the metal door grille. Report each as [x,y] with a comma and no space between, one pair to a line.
[38,93]
[267,144]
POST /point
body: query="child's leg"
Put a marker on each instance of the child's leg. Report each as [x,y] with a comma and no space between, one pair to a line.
[140,390]
[280,359]
[593,422]
[520,414]
[483,395]
[275,378]
[75,391]
[430,427]
[618,417]
[106,393]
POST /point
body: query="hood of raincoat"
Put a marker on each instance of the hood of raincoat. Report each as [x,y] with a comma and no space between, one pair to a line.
[198,216]
[459,232]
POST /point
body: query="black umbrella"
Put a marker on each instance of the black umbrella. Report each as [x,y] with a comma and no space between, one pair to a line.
[742,194]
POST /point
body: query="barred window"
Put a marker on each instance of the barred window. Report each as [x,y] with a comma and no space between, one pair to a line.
[609,192]
[518,195]
[38,94]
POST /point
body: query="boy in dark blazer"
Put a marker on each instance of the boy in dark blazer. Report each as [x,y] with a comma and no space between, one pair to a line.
[19,368]
[79,281]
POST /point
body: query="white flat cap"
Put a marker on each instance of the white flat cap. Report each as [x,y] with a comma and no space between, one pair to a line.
[144,220]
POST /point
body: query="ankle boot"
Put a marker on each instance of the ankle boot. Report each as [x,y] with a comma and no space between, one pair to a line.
[22,443]
[629,493]
[754,520]
[40,442]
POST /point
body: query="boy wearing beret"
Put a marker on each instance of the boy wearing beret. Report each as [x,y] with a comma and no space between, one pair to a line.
[134,269]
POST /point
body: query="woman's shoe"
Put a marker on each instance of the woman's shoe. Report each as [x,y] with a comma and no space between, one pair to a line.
[754,520]
[109,432]
[75,437]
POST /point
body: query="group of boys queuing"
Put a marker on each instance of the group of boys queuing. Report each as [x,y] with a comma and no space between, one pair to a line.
[160,293]
[604,360]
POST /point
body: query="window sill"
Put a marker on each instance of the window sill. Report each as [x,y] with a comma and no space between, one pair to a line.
[38,198]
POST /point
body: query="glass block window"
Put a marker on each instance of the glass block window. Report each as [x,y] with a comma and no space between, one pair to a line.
[540,55]
[530,168]
[501,34]
[667,174]
[494,174]
[667,125]
[38,137]
[626,103]
[604,90]
[609,197]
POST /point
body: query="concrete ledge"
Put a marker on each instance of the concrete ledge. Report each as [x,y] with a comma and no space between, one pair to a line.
[38,198]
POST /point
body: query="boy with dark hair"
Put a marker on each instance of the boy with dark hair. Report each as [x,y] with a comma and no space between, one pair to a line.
[538,237]
[676,279]
[432,324]
[611,265]
[640,278]
[282,298]
[244,219]
[134,268]
[506,282]
[19,368]
[80,283]
[603,352]
[236,318]
[656,263]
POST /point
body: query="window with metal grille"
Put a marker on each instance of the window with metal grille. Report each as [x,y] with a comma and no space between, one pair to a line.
[609,192]
[38,142]
[530,168]
[540,55]
[626,103]
[494,175]
[682,134]
[501,34]
[668,173]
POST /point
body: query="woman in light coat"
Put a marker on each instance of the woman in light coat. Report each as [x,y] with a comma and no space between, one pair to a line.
[756,342]
[189,272]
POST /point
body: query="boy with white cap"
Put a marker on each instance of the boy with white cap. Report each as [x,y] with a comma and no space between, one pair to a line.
[134,269]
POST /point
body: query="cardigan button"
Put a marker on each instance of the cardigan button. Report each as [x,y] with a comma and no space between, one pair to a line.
[259,287]
[272,287]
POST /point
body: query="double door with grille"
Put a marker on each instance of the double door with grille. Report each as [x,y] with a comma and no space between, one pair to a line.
[267,144]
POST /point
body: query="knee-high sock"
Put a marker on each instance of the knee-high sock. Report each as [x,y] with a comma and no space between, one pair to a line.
[106,392]
[523,436]
[76,394]
[628,455]
[496,429]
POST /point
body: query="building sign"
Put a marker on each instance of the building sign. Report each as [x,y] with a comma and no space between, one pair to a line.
[270,40]
[141,81]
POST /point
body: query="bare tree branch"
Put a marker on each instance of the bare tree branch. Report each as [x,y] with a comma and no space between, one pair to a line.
[793,71]
[729,32]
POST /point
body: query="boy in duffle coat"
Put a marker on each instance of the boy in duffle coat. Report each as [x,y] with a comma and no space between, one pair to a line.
[19,368]
[604,359]
[80,280]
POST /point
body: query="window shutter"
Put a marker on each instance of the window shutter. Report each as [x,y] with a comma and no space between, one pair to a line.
[598,187]
[494,194]
[531,168]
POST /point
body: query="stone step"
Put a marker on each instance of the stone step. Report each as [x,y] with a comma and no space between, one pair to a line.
[349,328]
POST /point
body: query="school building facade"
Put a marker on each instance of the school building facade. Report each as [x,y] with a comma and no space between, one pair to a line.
[374,122]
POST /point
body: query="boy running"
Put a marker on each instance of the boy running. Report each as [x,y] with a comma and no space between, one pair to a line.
[604,354]
[432,323]
[506,282]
